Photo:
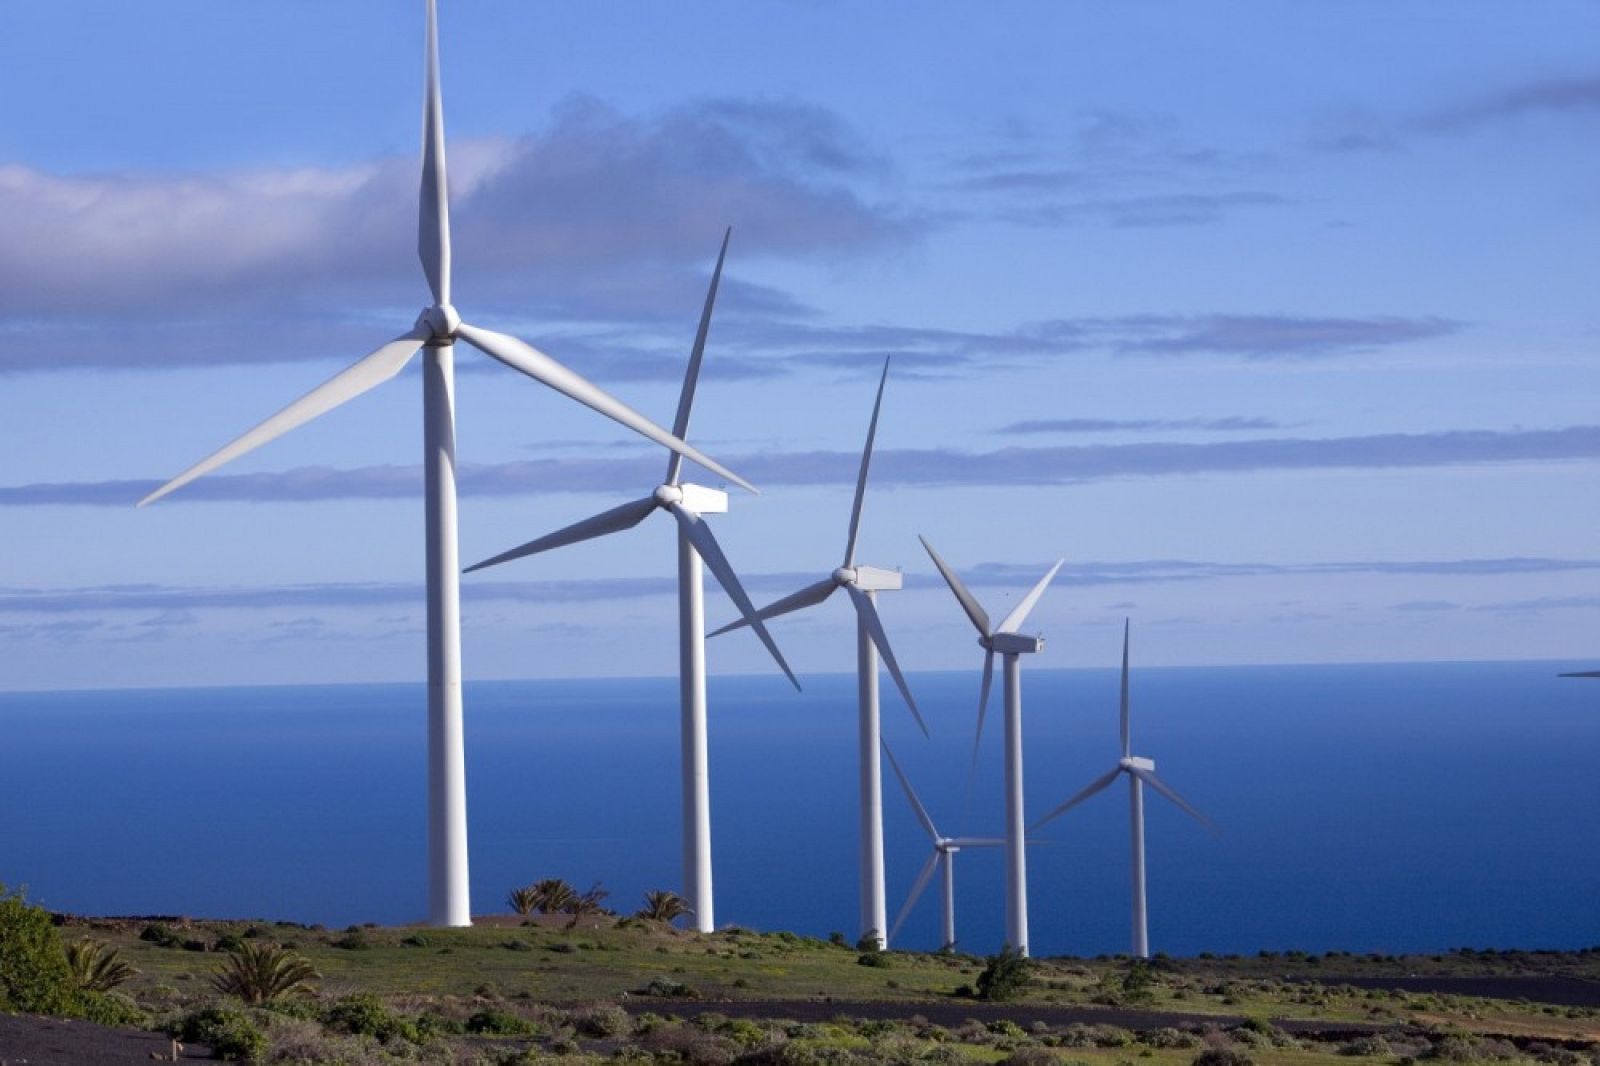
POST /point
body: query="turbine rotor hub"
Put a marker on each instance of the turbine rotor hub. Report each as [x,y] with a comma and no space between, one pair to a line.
[441,322]
[845,575]
[668,494]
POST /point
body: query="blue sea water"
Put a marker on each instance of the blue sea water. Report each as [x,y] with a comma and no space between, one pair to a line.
[1362,807]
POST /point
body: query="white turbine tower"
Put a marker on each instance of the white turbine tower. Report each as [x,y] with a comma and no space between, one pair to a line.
[686,503]
[943,859]
[1005,640]
[1140,772]
[862,583]
[435,332]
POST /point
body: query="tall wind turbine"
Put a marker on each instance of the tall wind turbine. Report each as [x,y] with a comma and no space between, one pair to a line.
[1140,772]
[862,583]
[437,329]
[943,859]
[686,503]
[1006,641]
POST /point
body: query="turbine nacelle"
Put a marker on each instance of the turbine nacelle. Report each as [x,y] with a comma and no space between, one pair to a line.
[441,322]
[1011,644]
[1135,763]
[691,497]
[869,578]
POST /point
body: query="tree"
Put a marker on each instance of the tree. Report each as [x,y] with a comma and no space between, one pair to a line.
[663,906]
[260,973]
[524,900]
[1005,975]
[553,895]
[588,904]
[96,967]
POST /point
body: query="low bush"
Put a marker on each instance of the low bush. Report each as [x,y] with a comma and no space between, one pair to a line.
[1031,1056]
[501,1023]
[366,1015]
[1222,1056]
[229,1033]
[602,1020]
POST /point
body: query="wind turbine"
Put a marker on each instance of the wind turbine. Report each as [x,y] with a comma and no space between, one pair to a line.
[686,503]
[1006,641]
[1140,772]
[437,329]
[943,858]
[862,583]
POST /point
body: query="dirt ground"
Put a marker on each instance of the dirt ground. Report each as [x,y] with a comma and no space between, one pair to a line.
[29,1041]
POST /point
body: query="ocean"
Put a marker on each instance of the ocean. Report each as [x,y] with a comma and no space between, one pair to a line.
[1389,808]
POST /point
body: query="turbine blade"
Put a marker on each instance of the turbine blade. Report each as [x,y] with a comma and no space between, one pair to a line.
[700,535]
[979,616]
[1125,738]
[979,842]
[691,375]
[1099,784]
[372,370]
[613,521]
[983,709]
[811,594]
[916,893]
[1166,790]
[433,217]
[911,794]
[866,461]
[534,363]
[1019,613]
[869,617]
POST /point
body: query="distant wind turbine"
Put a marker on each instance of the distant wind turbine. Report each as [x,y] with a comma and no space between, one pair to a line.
[1140,772]
[1005,640]
[943,858]
[686,503]
[862,583]
[437,329]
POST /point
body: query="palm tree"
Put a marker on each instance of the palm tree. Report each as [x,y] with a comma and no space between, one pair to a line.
[95,967]
[260,973]
[554,895]
[663,906]
[524,900]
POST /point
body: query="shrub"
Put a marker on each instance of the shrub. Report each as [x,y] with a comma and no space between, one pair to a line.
[260,973]
[1221,1056]
[872,958]
[1365,1045]
[228,1032]
[366,1015]
[501,1023]
[95,967]
[1005,975]
[602,1020]
[665,989]
[111,1008]
[160,935]
[353,940]
[1169,1038]
[34,975]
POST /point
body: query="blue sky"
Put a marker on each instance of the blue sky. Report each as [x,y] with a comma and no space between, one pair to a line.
[1275,321]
